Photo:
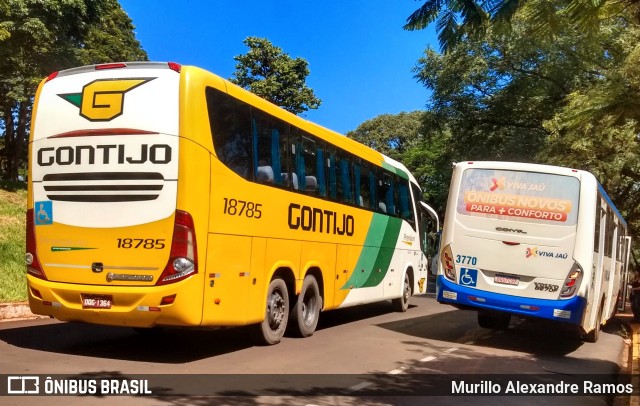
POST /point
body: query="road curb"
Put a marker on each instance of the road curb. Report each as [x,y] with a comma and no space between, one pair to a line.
[16,311]
[635,361]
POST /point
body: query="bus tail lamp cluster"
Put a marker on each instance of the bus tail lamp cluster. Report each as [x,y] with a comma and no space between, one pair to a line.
[571,284]
[447,263]
[33,264]
[183,260]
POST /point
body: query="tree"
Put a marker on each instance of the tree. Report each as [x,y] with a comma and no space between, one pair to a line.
[38,37]
[460,19]
[598,128]
[112,38]
[390,134]
[272,74]
[413,139]
[573,101]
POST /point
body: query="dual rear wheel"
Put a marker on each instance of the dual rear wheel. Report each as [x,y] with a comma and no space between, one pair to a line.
[302,318]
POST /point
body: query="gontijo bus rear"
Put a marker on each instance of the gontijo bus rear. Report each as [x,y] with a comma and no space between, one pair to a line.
[531,240]
[165,195]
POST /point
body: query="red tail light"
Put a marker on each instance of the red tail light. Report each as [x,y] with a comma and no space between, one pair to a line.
[118,65]
[447,263]
[174,66]
[572,282]
[183,261]
[33,264]
[52,76]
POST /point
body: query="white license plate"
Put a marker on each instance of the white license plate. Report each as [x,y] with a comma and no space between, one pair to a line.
[96,301]
[506,280]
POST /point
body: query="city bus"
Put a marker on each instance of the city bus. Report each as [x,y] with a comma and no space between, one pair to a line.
[163,195]
[534,241]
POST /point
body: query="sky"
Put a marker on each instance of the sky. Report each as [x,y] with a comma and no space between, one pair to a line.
[360,59]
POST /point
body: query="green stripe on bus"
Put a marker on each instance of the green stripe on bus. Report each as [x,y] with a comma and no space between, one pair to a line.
[395,170]
[375,257]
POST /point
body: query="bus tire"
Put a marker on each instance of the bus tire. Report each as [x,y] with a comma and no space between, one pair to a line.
[271,330]
[494,321]
[401,304]
[593,335]
[306,311]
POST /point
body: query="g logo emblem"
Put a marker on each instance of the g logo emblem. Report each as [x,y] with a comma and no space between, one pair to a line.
[103,99]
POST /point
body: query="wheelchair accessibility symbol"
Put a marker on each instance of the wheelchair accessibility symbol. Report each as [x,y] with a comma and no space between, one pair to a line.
[43,213]
[468,276]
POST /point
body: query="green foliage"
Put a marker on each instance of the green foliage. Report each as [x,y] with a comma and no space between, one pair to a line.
[13,286]
[597,129]
[561,86]
[390,134]
[272,74]
[412,139]
[111,39]
[460,20]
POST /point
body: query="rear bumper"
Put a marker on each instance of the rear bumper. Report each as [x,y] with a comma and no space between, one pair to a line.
[567,311]
[132,306]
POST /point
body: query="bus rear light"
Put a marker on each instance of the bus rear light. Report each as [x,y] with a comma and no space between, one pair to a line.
[572,282]
[174,66]
[31,257]
[183,260]
[167,300]
[110,66]
[52,76]
[447,263]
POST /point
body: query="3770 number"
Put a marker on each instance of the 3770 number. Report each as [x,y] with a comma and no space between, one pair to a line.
[463,259]
[144,243]
[235,207]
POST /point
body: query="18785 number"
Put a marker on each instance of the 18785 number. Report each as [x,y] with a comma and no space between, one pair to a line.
[234,207]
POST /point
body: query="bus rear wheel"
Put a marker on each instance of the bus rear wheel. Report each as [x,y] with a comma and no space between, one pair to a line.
[271,330]
[401,304]
[494,321]
[306,311]
[593,335]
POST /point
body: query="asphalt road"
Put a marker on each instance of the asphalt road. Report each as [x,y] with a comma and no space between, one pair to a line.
[363,355]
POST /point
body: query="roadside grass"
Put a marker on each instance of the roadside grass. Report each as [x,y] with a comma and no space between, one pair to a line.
[13,281]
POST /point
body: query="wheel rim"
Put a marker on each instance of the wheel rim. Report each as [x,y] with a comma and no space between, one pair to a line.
[275,310]
[407,291]
[308,307]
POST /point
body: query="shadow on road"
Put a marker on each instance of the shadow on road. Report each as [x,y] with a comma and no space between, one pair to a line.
[168,346]
[536,337]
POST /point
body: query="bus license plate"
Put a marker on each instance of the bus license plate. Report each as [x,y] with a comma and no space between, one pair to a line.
[507,280]
[96,301]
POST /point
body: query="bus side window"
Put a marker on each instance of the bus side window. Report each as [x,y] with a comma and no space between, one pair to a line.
[321,170]
[306,166]
[389,194]
[230,122]
[345,181]
[268,137]
[406,208]
[331,170]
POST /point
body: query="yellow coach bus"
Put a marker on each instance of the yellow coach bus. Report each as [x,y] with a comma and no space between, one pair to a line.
[164,195]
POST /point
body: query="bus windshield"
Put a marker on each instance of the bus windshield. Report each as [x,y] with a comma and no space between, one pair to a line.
[530,197]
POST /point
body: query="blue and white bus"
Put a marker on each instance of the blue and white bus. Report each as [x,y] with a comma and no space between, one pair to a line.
[533,241]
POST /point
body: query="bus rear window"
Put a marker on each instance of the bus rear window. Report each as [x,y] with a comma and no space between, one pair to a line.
[531,197]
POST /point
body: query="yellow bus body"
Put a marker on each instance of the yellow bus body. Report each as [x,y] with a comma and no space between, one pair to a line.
[87,223]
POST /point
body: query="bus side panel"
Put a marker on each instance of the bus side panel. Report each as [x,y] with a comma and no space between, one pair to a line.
[228,280]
